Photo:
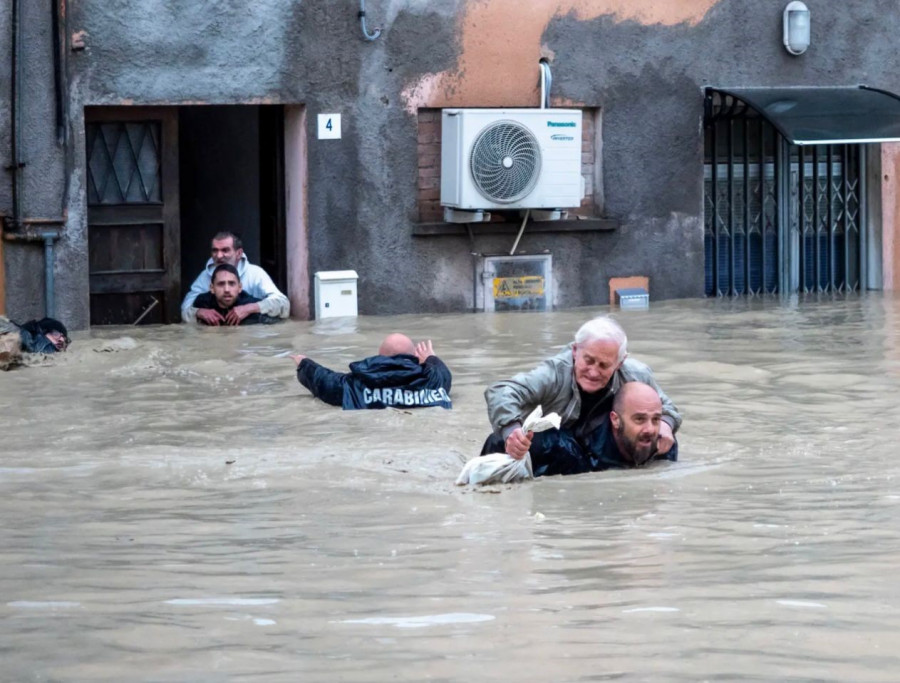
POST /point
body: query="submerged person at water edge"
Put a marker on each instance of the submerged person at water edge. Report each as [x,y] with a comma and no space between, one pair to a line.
[46,335]
[224,299]
[580,384]
[402,375]
[267,299]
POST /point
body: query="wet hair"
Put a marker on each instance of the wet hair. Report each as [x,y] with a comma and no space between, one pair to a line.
[228,268]
[224,235]
[45,325]
[603,328]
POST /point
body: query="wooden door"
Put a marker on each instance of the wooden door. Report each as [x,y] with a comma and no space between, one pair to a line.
[134,232]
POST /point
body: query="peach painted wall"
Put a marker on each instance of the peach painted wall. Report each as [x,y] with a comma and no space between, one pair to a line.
[890,212]
[295,186]
[514,40]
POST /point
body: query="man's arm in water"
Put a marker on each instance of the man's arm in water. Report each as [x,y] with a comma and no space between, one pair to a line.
[326,385]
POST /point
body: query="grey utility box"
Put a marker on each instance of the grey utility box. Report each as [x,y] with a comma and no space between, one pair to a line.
[335,293]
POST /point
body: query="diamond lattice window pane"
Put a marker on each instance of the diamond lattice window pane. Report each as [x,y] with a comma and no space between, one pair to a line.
[124,163]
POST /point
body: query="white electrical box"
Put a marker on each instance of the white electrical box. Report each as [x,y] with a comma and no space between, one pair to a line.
[335,292]
[633,298]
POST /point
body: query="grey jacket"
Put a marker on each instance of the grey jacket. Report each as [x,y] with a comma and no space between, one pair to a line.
[551,385]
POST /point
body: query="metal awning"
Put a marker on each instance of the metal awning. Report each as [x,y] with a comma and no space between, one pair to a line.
[825,116]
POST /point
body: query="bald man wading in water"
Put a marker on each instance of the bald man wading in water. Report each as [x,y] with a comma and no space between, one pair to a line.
[402,375]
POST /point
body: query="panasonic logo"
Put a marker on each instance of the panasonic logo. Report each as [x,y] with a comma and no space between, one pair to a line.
[557,136]
[560,124]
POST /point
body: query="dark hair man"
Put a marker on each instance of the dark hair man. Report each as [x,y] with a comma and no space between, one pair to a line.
[224,296]
[402,375]
[580,383]
[227,249]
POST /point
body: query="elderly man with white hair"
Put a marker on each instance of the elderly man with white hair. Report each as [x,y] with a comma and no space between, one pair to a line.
[579,383]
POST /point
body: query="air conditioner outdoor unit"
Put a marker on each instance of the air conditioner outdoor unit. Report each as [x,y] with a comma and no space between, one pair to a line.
[511,159]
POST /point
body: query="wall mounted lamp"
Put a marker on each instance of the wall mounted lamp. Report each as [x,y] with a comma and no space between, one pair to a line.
[796,27]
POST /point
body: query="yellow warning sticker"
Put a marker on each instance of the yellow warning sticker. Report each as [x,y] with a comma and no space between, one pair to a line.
[515,287]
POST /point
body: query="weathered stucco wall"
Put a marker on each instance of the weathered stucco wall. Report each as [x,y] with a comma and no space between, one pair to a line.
[642,62]
[43,176]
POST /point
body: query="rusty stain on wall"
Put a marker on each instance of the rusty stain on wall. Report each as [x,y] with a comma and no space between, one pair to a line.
[501,46]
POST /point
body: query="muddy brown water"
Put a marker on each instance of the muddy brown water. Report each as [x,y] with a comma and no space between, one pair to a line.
[176,507]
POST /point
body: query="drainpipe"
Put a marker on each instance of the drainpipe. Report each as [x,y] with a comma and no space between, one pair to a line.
[60,11]
[48,231]
[49,293]
[15,115]
[16,228]
[546,83]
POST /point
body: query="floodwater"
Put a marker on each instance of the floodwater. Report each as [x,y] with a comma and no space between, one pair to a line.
[176,507]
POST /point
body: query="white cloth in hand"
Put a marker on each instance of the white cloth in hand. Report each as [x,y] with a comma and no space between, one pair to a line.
[501,468]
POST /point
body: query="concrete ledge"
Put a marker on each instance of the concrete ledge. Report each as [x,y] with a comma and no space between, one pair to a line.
[572,225]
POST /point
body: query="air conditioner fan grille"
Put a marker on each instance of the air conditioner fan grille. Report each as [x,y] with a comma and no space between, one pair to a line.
[505,162]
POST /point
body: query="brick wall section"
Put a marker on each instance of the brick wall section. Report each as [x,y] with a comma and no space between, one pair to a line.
[429,177]
[587,207]
[430,166]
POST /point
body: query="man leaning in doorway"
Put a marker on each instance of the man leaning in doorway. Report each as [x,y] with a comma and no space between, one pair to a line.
[227,248]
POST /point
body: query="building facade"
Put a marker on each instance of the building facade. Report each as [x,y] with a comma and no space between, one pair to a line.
[132,131]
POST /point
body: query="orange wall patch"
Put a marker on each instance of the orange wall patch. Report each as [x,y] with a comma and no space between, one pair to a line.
[501,46]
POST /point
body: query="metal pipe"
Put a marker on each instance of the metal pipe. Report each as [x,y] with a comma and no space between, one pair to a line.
[845,200]
[714,166]
[763,233]
[732,286]
[362,23]
[801,218]
[58,72]
[816,246]
[748,288]
[546,83]
[782,203]
[830,249]
[863,222]
[15,116]
[521,230]
[49,288]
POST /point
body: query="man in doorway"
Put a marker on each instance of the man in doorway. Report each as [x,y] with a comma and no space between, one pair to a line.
[268,300]
[402,375]
[225,297]
[580,383]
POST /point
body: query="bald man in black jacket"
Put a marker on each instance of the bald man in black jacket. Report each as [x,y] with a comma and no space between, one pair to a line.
[402,375]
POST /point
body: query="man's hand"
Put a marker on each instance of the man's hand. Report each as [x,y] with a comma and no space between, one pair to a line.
[238,313]
[298,358]
[518,443]
[666,438]
[424,350]
[208,316]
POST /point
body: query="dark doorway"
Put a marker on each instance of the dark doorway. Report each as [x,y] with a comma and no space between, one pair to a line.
[232,178]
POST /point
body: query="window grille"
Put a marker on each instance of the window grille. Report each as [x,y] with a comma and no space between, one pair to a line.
[123,163]
[778,217]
